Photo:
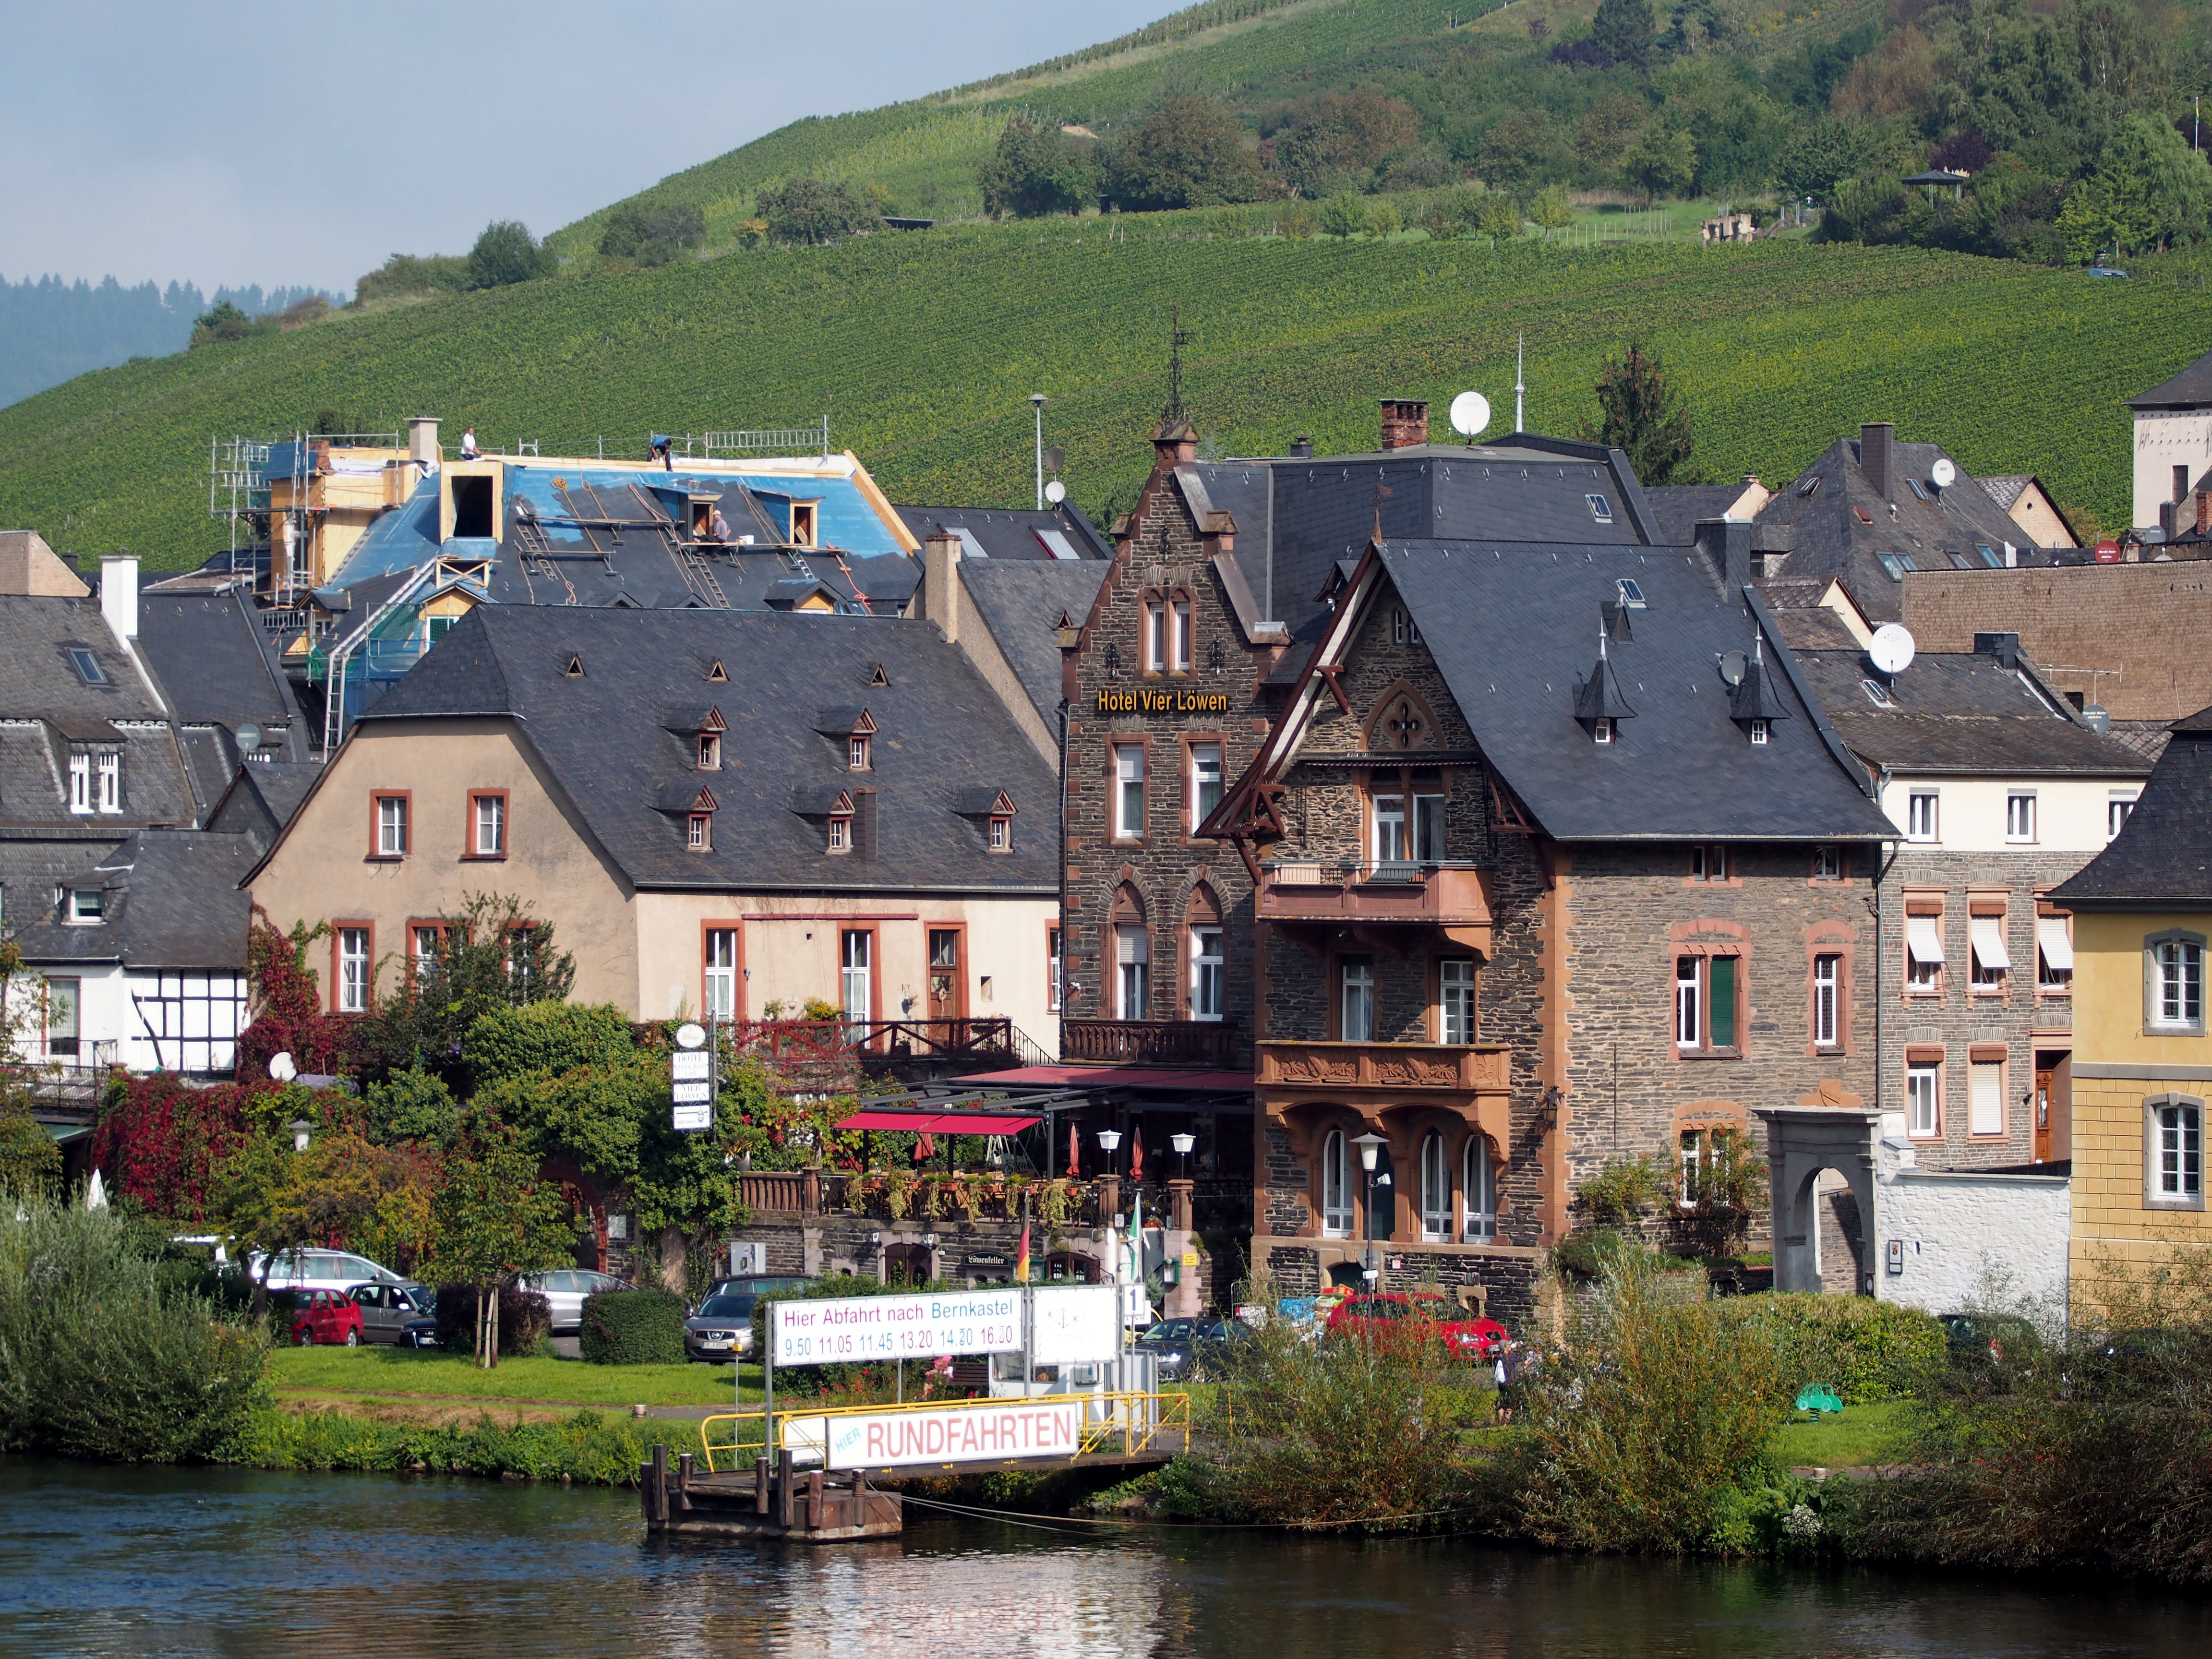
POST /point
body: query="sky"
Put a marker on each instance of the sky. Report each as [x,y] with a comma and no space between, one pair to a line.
[279,145]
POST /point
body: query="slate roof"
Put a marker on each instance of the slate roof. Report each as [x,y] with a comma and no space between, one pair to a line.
[2005,489]
[173,900]
[37,679]
[604,737]
[1934,528]
[1955,712]
[1297,516]
[261,799]
[206,653]
[1512,627]
[2189,389]
[1021,602]
[2163,856]
[1676,509]
[1016,533]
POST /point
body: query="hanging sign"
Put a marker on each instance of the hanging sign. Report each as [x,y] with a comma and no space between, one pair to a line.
[956,1434]
[833,1331]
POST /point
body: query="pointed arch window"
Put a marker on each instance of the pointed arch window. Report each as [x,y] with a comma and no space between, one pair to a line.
[1336,1186]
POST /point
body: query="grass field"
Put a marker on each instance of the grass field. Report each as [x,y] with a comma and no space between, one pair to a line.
[924,348]
[1862,1435]
[353,1374]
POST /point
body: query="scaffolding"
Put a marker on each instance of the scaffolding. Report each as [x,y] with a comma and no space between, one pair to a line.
[239,489]
[787,439]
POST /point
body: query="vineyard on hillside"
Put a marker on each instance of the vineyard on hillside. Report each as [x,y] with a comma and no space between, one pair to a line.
[924,348]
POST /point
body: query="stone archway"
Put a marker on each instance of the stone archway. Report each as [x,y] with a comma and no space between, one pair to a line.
[1802,1141]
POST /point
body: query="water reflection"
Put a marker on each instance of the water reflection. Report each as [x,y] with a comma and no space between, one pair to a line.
[98,1562]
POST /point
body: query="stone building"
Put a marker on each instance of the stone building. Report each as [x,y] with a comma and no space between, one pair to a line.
[1557,866]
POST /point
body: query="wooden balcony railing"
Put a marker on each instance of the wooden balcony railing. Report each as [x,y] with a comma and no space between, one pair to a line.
[838,1041]
[1213,1044]
[1452,897]
[1486,1068]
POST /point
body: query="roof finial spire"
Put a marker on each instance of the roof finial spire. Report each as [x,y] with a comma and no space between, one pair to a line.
[1177,339]
[1520,347]
[1600,638]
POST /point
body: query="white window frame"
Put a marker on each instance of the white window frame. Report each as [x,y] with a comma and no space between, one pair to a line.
[1924,976]
[354,970]
[1689,1003]
[2054,978]
[855,981]
[1386,836]
[87,906]
[1132,971]
[1479,1196]
[1053,968]
[80,781]
[1601,730]
[392,826]
[2118,808]
[840,832]
[1708,862]
[63,1038]
[1208,972]
[1156,636]
[1924,1099]
[1760,731]
[1827,1001]
[1206,781]
[699,833]
[110,782]
[1130,792]
[489,825]
[1436,1189]
[1923,815]
[1336,1215]
[720,966]
[2173,1153]
[2174,983]
[1828,862]
[1429,841]
[422,942]
[1455,1000]
[1355,981]
[2020,816]
[857,753]
[1179,636]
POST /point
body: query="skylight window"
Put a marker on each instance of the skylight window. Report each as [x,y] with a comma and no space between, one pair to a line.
[1889,563]
[1914,485]
[1601,509]
[1906,559]
[1810,485]
[88,666]
[1961,562]
[1989,556]
[1056,543]
[1629,593]
[1877,694]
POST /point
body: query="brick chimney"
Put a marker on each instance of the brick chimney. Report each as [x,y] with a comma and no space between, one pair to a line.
[1878,456]
[2203,510]
[1175,444]
[1405,423]
[422,440]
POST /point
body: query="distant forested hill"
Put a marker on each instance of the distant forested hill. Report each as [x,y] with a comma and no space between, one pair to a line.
[52,330]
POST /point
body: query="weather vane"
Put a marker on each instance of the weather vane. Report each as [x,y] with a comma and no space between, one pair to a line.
[1177,339]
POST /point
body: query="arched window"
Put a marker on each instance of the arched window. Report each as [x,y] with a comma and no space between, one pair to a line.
[1436,1189]
[1481,1224]
[1336,1186]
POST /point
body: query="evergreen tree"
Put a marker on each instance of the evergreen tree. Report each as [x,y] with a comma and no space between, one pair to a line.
[1644,417]
[506,253]
[1623,30]
[1035,172]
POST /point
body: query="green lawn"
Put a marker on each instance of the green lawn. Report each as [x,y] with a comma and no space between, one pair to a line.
[1861,1435]
[430,1375]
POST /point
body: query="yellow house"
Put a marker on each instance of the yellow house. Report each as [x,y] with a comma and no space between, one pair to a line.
[2142,1065]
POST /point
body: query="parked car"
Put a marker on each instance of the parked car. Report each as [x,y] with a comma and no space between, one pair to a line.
[318,1270]
[1382,1315]
[405,1315]
[1187,1347]
[564,1290]
[759,1284]
[720,1328]
[325,1318]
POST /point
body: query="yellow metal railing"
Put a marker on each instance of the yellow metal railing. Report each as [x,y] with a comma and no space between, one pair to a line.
[1128,1422]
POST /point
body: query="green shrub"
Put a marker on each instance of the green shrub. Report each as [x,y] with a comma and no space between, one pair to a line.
[1870,1350]
[506,253]
[525,1318]
[415,1105]
[589,1446]
[633,1327]
[552,1037]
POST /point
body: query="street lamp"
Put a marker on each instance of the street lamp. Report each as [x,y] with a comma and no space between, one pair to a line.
[302,1129]
[1370,1146]
[1037,402]
[1182,1144]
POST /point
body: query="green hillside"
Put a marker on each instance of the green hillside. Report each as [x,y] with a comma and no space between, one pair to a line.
[924,348]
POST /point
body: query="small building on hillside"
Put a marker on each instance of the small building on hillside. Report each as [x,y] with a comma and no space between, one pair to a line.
[2173,440]
[2030,506]
[2142,1063]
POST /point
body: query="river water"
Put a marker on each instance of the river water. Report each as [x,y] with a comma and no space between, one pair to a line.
[107,1561]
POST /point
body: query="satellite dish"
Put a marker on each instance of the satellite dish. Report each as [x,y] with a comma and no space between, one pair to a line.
[1891,649]
[690,1034]
[1055,492]
[1470,413]
[1944,473]
[2097,718]
[1732,666]
[249,737]
[282,1069]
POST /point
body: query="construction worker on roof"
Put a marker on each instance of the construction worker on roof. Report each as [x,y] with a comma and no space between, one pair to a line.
[660,451]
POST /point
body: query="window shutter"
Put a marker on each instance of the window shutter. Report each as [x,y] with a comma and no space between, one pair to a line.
[1721,972]
[1987,1113]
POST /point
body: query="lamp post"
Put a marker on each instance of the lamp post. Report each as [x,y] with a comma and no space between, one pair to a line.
[303,1131]
[1370,1146]
[1108,1140]
[1182,1145]
[1037,402]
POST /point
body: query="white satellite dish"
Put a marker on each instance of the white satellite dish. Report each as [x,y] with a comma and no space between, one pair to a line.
[1470,413]
[1891,649]
[1944,473]
[249,737]
[690,1034]
[282,1069]
[1055,492]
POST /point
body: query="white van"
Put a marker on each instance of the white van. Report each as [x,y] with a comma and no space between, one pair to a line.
[318,1270]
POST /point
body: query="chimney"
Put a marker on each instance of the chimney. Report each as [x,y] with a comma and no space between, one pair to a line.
[941,583]
[1878,455]
[1726,544]
[1405,423]
[1174,443]
[2005,648]
[422,440]
[2169,518]
[118,596]
[2203,511]
[1302,448]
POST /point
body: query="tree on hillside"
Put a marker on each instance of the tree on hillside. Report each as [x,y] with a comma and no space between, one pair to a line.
[810,209]
[1190,153]
[1037,170]
[1337,139]
[220,324]
[652,235]
[1608,129]
[1644,417]
[1662,163]
[1623,31]
[496,1218]
[506,253]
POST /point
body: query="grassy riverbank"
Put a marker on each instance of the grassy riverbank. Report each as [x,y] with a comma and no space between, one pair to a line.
[429,1374]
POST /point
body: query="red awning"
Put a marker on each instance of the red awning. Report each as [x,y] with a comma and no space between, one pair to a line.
[939,1123]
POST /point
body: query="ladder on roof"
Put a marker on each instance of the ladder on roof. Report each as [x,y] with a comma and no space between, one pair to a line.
[698,575]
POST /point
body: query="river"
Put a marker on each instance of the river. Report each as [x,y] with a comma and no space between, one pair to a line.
[96,1560]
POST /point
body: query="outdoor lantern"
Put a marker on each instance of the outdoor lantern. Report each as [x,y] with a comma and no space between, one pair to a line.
[1551,1107]
[1371,1145]
[302,1129]
[1109,1139]
[929,1241]
[1182,1143]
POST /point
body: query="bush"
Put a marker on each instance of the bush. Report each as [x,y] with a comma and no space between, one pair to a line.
[506,253]
[810,209]
[549,1037]
[1870,1350]
[99,1357]
[1190,153]
[411,1106]
[1037,170]
[1343,215]
[525,1318]
[633,1327]
[405,274]
[651,236]
[589,1446]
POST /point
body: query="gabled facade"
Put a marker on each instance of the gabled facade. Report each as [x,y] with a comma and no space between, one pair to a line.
[2173,440]
[1540,887]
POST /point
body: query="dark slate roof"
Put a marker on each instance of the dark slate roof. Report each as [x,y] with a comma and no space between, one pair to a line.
[2006,489]
[1296,517]
[262,799]
[604,735]
[36,678]
[1513,627]
[1676,509]
[1957,711]
[1022,602]
[999,532]
[173,901]
[2163,856]
[1936,529]
[2191,389]
[206,653]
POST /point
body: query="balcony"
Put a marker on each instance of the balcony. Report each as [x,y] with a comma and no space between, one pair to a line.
[1479,1068]
[963,1044]
[1454,898]
[1206,1044]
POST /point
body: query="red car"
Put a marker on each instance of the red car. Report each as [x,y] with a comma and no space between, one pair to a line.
[1382,1315]
[325,1316]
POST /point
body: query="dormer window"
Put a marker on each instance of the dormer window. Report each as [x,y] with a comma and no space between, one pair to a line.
[1601,730]
[1759,732]
[857,757]
[1002,833]
[710,751]
[700,837]
[80,781]
[840,832]
[802,523]
[88,906]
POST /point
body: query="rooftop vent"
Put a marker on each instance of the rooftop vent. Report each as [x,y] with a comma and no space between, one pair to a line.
[1302,448]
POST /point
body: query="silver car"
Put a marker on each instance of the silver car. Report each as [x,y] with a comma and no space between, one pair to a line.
[564,1290]
[405,1315]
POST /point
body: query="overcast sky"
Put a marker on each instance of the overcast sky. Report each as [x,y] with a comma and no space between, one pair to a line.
[257,143]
